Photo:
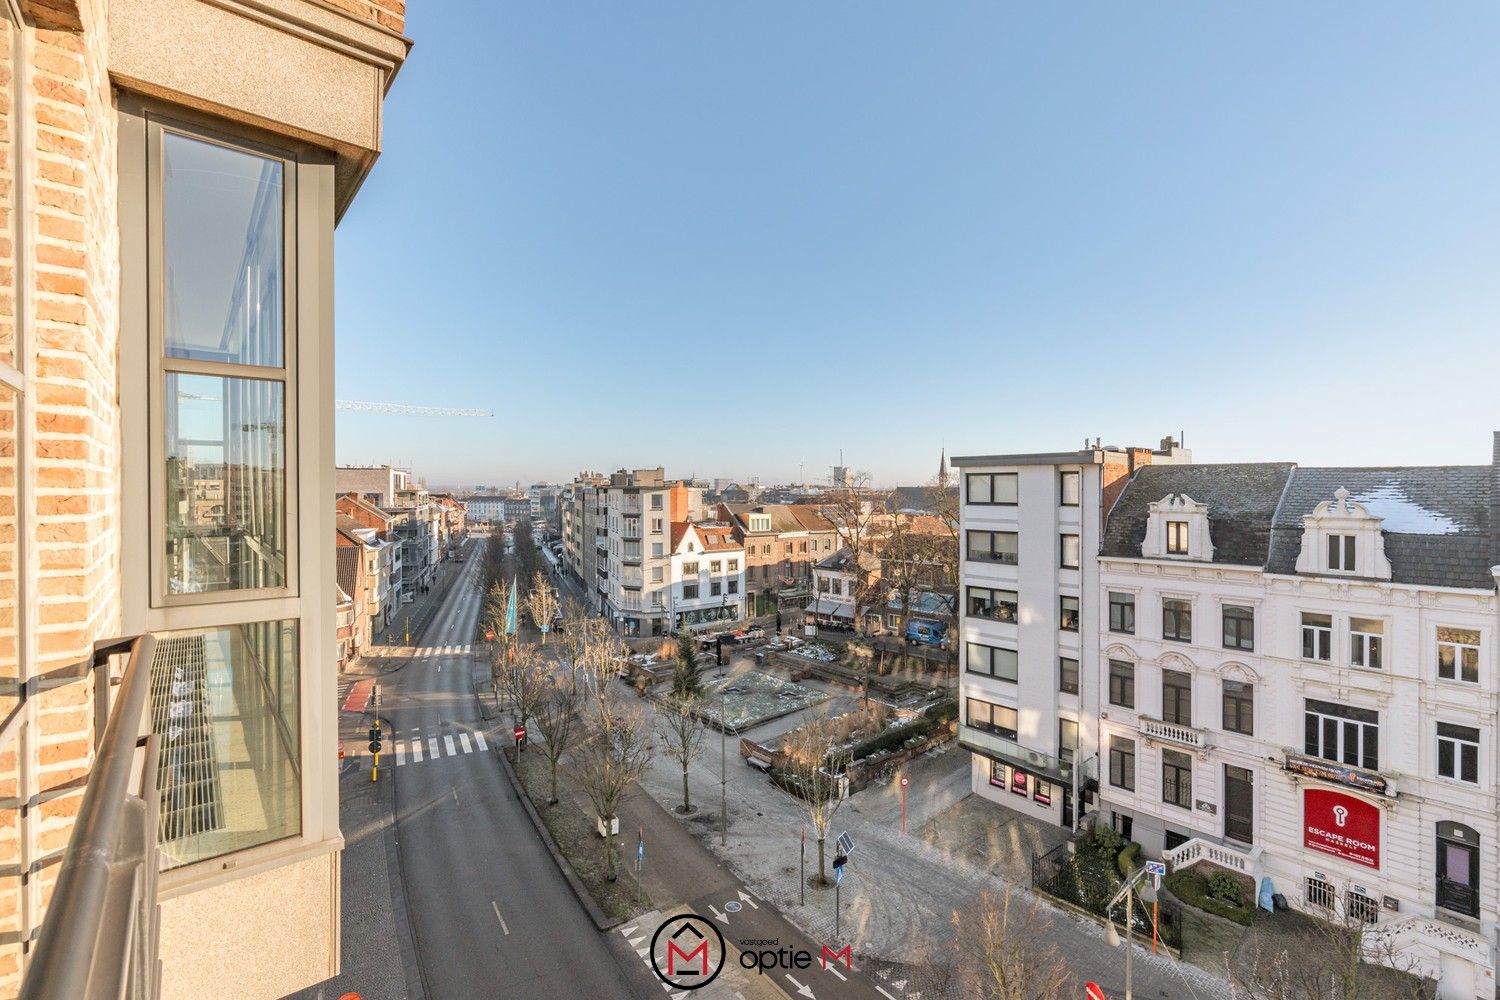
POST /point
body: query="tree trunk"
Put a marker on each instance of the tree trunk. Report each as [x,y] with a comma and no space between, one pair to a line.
[686,805]
[822,878]
[553,799]
[609,851]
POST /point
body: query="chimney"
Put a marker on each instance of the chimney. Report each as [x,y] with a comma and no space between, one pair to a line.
[1495,502]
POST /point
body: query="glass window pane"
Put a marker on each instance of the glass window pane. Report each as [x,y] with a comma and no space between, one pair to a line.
[224,705]
[222,233]
[225,484]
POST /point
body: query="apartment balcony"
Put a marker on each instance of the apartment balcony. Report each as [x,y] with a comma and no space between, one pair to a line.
[997,747]
[100,936]
[1172,732]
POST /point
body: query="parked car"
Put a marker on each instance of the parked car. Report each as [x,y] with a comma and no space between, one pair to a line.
[926,633]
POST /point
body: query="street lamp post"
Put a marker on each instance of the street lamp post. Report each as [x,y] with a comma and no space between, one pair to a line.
[1148,895]
[723,765]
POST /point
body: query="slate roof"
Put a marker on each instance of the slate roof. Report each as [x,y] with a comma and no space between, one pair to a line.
[347,558]
[1241,501]
[1436,519]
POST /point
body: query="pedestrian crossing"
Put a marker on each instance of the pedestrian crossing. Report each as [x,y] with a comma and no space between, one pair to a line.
[417,746]
[454,649]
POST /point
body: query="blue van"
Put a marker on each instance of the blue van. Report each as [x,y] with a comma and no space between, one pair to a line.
[925,633]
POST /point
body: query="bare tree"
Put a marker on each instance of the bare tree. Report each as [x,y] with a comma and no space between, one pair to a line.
[1005,951]
[559,718]
[816,762]
[492,618]
[942,502]
[681,730]
[1334,952]
[860,517]
[599,659]
[541,602]
[576,624]
[612,760]
[524,679]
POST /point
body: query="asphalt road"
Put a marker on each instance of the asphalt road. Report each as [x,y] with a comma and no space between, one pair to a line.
[489,911]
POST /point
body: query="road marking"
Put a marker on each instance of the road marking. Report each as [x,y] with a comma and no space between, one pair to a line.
[479,739]
[746,897]
[884,993]
[432,743]
[463,741]
[835,970]
[717,913]
[400,752]
[805,991]
[448,742]
[416,750]
[498,917]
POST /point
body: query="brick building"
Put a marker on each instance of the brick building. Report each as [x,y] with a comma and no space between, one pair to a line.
[782,542]
[166,405]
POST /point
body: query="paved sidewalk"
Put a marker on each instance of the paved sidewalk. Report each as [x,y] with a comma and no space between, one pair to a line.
[900,891]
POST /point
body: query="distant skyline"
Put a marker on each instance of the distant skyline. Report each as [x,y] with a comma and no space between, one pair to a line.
[775,231]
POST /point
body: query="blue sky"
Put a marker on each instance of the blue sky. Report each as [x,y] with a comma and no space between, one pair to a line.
[734,238]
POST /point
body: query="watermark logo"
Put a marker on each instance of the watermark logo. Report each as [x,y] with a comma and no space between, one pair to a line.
[759,954]
[687,951]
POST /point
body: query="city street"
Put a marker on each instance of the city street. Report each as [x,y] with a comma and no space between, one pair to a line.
[487,907]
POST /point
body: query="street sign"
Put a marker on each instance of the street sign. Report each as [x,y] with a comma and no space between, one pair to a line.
[1094,991]
[905,781]
[374,746]
[520,736]
[1156,869]
[838,874]
[845,843]
[840,860]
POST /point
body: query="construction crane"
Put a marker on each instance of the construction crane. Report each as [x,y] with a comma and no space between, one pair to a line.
[406,408]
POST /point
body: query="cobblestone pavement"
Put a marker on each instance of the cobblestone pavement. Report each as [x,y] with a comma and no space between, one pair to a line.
[900,890]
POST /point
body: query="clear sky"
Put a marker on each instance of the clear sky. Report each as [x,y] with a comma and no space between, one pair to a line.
[733,238]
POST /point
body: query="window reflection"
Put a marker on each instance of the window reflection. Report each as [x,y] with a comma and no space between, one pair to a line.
[223,240]
[224,706]
[225,483]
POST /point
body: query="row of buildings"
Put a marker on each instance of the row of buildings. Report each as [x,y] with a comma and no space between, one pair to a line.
[390,536]
[657,554]
[1291,672]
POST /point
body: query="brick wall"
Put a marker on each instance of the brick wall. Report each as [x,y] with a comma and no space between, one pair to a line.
[386,13]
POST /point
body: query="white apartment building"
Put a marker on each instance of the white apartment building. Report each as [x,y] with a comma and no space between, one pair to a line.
[707,575]
[1298,680]
[1030,530]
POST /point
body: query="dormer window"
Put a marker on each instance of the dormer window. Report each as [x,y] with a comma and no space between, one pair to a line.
[1341,553]
[1177,538]
[1177,527]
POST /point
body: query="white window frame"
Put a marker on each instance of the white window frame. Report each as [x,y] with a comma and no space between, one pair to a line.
[1314,632]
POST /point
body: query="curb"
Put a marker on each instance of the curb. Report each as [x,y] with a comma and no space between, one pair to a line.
[601,922]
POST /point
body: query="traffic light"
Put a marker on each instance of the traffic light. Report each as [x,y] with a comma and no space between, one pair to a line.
[374,739]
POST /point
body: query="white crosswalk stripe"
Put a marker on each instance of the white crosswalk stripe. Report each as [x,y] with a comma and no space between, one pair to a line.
[427,747]
[452,649]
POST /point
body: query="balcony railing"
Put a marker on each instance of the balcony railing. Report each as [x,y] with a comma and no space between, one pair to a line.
[101,932]
[1009,751]
[1172,732]
[1198,849]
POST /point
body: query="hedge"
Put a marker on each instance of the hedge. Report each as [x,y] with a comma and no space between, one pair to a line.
[1127,859]
[1192,888]
[892,738]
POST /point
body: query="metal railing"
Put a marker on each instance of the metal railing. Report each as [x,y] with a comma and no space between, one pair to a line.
[100,936]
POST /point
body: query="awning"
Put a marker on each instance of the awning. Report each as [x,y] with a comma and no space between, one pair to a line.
[830,608]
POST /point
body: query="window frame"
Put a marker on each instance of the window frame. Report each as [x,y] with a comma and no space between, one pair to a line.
[1122,760]
[1015,604]
[1242,702]
[1341,551]
[969,478]
[1062,612]
[989,725]
[1458,650]
[1062,675]
[1062,553]
[1314,631]
[1174,766]
[1062,489]
[1462,750]
[969,555]
[1365,646]
[1178,615]
[1182,696]
[989,657]
[1125,600]
[158,124]
[1122,677]
[1244,623]
[1178,541]
[1335,719]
